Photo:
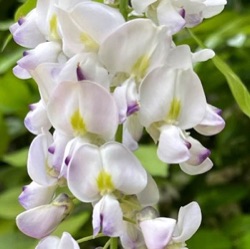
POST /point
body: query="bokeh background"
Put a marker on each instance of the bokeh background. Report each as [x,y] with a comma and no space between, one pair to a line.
[223,193]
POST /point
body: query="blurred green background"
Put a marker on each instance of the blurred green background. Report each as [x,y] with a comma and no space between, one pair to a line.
[223,193]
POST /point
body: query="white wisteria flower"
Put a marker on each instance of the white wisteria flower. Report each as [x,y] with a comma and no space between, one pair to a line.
[83,115]
[40,221]
[177,14]
[53,242]
[134,49]
[171,101]
[86,26]
[167,233]
[105,172]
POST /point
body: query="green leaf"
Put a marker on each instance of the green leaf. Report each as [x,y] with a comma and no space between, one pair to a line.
[243,242]
[237,87]
[72,224]
[208,238]
[9,205]
[4,45]
[4,25]
[148,157]
[25,8]
[238,226]
[8,60]
[17,158]
[4,141]
[17,240]
[220,196]
[15,95]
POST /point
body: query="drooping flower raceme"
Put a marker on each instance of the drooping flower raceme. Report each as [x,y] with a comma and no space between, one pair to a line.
[104,77]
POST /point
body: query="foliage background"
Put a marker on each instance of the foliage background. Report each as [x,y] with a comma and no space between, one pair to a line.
[223,193]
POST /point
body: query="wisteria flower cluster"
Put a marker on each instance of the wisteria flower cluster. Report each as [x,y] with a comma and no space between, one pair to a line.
[106,74]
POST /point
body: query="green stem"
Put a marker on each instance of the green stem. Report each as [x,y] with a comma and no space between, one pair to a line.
[123,7]
[114,243]
[107,244]
[129,220]
[91,237]
[198,41]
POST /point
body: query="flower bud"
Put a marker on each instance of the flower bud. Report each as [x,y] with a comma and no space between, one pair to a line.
[40,221]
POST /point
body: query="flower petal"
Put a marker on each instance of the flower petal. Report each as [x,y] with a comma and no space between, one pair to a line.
[82,113]
[148,49]
[157,232]
[83,171]
[198,152]
[82,31]
[212,123]
[50,242]
[35,195]
[37,120]
[170,17]
[172,148]
[26,32]
[39,161]
[189,220]
[40,221]
[150,194]
[107,215]
[190,169]
[127,173]
[67,242]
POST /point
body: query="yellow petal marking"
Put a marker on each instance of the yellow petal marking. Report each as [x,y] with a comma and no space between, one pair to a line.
[53,27]
[174,111]
[90,44]
[140,67]
[78,124]
[105,183]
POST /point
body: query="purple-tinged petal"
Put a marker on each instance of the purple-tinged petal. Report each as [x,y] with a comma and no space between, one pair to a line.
[190,169]
[212,123]
[170,17]
[198,153]
[27,33]
[107,216]
[132,108]
[79,73]
[40,167]
[40,221]
[36,121]
[157,232]
[126,98]
[172,148]
[132,132]
[35,195]
[44,52]
[21,73]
